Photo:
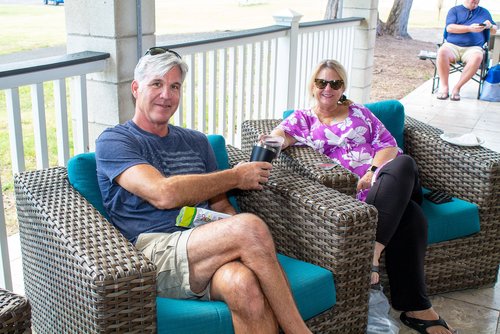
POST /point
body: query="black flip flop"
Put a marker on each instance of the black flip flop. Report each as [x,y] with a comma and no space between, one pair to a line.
[422,325]
[442,96]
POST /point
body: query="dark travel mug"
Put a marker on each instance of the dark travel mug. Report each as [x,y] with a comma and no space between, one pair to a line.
[262,152]
[267,148]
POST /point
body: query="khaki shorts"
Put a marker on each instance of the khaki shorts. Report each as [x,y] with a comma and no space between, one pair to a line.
[462,53]
[168,251]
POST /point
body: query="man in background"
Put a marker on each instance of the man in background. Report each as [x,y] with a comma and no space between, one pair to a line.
[465,26]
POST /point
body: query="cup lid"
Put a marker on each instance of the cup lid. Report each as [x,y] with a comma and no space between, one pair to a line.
[272,140]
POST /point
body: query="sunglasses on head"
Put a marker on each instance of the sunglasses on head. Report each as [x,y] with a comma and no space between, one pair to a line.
[335,84]
[156,50]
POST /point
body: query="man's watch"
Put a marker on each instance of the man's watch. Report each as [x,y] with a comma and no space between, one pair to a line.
[372,168]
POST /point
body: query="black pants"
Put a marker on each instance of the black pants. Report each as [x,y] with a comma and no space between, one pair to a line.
[402,228]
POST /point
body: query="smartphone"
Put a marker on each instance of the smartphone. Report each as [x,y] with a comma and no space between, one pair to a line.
[482,24]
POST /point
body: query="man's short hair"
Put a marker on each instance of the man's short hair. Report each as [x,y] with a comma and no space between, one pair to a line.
[158,65]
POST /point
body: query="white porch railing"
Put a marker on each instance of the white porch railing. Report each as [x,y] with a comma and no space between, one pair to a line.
[260,73]
[34,74]
[252,74]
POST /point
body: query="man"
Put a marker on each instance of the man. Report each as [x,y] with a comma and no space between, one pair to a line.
[147,170]
[465,25]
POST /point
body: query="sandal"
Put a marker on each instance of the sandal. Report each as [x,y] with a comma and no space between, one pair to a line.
[421,325]
[376,286]
[442,96]
[455,97]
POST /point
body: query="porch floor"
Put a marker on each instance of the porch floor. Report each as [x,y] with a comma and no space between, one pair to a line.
[472,311]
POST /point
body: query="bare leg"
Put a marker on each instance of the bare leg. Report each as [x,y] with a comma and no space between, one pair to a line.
[375,278]
[244,238]
[468,72]
[238,286]
[444,58]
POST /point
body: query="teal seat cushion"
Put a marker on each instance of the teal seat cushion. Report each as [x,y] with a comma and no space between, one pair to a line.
[389,112]
[392,114]
[83,177]
[451,220]
[312,286]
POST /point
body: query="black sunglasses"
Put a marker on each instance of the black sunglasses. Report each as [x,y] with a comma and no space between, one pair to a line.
[156,50]
[335,84]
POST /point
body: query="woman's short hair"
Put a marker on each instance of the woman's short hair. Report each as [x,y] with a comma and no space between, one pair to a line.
[158,65]
[331,64]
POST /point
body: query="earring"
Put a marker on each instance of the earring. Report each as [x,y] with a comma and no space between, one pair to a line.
[342,99]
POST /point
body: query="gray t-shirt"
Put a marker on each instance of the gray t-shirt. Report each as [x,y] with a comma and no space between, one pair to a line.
[182,151]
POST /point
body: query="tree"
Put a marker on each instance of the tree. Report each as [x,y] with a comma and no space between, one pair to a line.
[397,23]
[332,8]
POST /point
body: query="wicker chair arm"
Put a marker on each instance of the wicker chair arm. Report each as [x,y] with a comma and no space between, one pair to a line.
[319,225]
[76,261]
[300,159]
[470,173]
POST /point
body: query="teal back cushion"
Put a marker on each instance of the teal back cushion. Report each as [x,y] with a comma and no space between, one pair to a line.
[390,112]
[83,177]
[218,144]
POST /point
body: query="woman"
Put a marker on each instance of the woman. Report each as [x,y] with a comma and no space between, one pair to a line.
[352,136]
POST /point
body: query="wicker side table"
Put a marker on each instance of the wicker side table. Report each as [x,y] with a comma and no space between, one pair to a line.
[15,313]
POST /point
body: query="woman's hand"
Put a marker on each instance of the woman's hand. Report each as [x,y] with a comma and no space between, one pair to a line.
[365,182]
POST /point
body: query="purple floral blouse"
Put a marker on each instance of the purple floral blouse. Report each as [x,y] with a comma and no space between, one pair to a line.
[351,143]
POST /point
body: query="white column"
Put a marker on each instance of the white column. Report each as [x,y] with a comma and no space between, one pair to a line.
[109,26]
[287,59]
[364,47]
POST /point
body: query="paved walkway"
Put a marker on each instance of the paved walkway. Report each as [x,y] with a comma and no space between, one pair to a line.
[468,115]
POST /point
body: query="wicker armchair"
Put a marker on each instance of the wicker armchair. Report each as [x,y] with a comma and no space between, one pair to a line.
[15,313]
[83,276]
[469,173]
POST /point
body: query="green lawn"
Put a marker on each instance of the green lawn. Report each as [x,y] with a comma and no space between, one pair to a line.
[28,137]
[30,27]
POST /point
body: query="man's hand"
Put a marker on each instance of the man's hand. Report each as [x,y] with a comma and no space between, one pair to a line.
[251,175]
[476,27]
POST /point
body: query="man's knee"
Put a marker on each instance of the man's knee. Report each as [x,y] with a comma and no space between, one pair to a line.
[253,227]
[445,55]
[241,289]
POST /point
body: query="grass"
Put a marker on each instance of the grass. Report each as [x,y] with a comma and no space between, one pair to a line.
[6,176]
[28,27]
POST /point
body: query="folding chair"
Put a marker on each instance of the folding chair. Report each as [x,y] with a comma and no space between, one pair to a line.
[459,66]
